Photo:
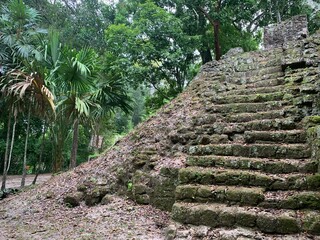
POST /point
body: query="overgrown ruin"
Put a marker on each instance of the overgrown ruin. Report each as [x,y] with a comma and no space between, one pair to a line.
[236,156]
[240,147]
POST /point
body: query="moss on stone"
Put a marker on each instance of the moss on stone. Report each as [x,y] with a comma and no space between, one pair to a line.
[205,192]
[313,120]
[315,228]
[142,199]
[245,219]
[226,219]
[311,223]
[251,198]
[73,199]
[266,223]
[139,189]
[287,225]
[233,196]
[313,182]
[186,192]
[304,200]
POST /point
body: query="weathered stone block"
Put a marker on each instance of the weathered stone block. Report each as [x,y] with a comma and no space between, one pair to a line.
[287,225]
[73,199]
[266,223]
[293,29]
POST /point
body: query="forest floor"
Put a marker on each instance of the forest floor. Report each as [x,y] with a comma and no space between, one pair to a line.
[36,214]
[14,181]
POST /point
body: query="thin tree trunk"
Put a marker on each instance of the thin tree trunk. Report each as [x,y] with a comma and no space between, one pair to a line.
[41,154]
[24,170]
[278,12]
[4,176]
[73,159]
[278,16]
[12,140]
[215,23]
[217,48]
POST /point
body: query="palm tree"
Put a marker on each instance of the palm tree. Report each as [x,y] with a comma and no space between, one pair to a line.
[110,94]
[19,47]
[88,95]
[13,106]
[19,34]
[78,72]
[32,90]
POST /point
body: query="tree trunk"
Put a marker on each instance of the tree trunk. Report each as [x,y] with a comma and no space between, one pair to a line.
[215,23]
[24,170]
[217,48]
[4,176]
[73,159]
[12,140]
[41,154]
[206,56]
[278,16]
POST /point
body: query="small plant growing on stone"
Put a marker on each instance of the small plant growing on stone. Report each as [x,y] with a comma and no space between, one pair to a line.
[129,186]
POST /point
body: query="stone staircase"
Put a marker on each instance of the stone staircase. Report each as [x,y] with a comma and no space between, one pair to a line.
[250,160]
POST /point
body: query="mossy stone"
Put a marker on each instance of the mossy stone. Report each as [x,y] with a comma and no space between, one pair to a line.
[163,203]
[226,219]
[179,213]
[251,198]
[91,201]
[315,228]
[313,182]
[260,180]
[169,172]
[304,200]
[107,199]
[287,225]
[205,192]
[266,224]
[205,216]
[314,119]
[233,196]
[186,192]
[73,199]
[245,219]
[142,199]
[139,189]
[82,188]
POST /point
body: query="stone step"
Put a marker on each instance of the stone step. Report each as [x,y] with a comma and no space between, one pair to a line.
[220,194]
[271,82]
[246,107]
[284,136]
[291,200]
[265,220]
[261,164]
[231,177]
[273,114]
[207,119]
[248,98]
[222,127]
[252,89]
[277,151]
[183,232]
[264,137]
[255,76]
[248,196]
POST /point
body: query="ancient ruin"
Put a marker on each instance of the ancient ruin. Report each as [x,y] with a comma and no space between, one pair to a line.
[238,149]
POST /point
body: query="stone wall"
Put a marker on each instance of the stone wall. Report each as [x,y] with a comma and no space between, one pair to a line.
[277,34]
